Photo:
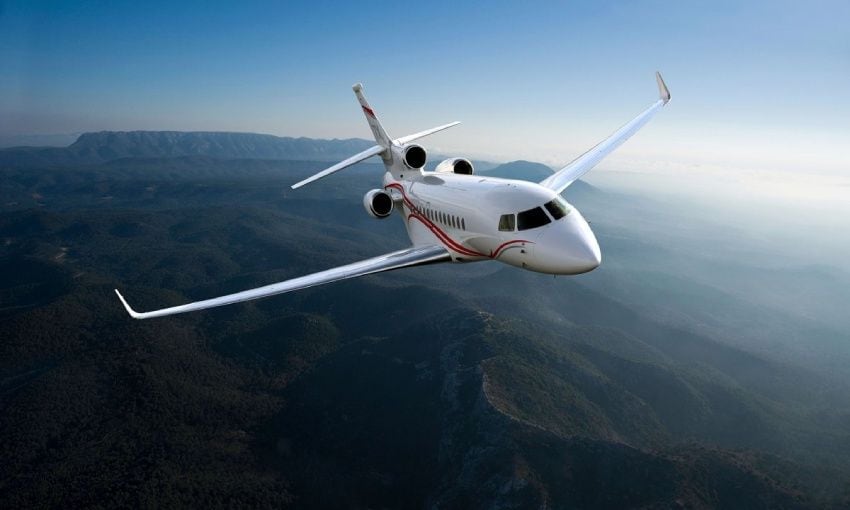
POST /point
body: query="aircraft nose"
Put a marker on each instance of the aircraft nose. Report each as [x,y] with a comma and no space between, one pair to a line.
[570,248]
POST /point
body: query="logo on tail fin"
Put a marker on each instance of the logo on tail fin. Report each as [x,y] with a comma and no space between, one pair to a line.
[369,112]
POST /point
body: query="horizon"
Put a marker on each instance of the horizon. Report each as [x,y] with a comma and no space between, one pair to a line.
[769,93]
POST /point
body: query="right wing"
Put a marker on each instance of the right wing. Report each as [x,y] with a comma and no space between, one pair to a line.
[414,256]
[560,180]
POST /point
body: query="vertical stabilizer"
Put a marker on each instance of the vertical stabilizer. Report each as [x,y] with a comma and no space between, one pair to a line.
[381,136]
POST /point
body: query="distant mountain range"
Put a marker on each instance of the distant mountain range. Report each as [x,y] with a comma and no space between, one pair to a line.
[94,148]
[527,170]
[470,387]
[43,140]
[107,146]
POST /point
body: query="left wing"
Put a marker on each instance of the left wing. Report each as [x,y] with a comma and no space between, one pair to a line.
[560,180]
[414,256]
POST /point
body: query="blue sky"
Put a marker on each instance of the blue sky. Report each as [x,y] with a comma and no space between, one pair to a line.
[760,84]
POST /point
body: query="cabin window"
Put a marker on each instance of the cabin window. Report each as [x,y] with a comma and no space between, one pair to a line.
[532,218]
[507,223]
[558,208]
[462,224]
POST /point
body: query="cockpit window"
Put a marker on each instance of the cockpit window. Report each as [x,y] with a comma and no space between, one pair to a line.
[532,218]
[558,208]
[507,223]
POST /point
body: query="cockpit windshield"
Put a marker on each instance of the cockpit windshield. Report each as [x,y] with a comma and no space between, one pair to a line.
[531,218]
[558,208]
[536,217]
[507,222]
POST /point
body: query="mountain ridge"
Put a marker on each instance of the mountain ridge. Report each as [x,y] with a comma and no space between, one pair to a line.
[104,146]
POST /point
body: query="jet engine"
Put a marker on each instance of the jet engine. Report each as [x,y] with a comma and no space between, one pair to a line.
[415,156]
[378,203]
[455,166]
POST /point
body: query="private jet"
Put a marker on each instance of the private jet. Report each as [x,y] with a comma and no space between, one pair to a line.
[453,215]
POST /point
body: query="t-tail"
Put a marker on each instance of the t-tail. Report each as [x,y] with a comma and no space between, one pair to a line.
[378,131]
[384,146]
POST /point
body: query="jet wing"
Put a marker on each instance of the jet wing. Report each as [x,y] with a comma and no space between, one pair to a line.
[413,256]
[560,180]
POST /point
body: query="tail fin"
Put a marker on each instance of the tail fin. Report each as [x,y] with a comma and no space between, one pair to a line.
[384,147]
[381,136]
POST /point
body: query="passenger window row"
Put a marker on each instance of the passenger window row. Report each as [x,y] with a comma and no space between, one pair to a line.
[444,218]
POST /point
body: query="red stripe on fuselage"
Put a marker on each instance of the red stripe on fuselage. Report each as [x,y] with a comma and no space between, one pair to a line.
[444,237]
[503,246]
[448,241]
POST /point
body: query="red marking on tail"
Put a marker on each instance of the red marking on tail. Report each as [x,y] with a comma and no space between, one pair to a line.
[369,112]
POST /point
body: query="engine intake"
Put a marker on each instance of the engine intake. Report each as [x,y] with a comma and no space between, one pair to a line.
[415,156]
[460,166]
[378,203]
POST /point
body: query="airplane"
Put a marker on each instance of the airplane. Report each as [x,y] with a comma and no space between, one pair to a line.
[454,215]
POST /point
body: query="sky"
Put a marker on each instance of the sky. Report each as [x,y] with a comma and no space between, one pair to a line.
[757,85]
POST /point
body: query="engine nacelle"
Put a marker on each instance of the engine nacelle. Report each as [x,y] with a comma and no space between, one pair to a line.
[414,156]
[378,203]
[460,166]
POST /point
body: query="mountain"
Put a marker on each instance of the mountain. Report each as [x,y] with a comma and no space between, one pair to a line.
[448,386]
[93,148]
[520,169]
[48,140]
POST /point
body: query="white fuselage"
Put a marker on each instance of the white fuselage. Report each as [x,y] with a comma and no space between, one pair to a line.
[452,215]
[479,218]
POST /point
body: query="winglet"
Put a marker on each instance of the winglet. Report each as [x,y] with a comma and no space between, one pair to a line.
[663,93]
[134,314]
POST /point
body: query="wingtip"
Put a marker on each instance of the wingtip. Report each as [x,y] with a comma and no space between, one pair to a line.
[127,307]
[663,91]
[300,184]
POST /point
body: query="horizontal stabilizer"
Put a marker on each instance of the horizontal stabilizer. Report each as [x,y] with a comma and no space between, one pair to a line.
[353,160]
[422,134]
[385,143]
